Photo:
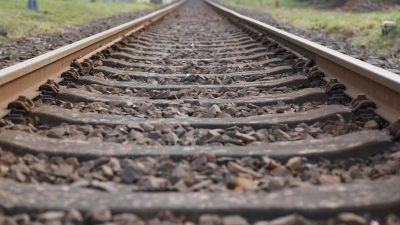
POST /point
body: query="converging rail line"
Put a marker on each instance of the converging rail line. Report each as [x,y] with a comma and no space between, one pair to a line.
[198,110]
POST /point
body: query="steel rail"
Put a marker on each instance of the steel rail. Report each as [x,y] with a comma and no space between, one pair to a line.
[26,77]
[379,85]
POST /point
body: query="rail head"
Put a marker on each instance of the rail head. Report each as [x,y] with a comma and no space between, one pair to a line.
[358,76]
[25,78]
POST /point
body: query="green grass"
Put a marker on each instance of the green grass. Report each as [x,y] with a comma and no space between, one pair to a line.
[361,28]
[266,3]
[16,21]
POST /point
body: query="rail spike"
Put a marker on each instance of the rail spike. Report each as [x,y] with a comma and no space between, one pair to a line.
[51,86]
[362,107]
[22,103]
[335,91]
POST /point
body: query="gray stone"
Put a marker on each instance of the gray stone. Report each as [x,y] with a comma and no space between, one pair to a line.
[18,174]
[107,171]
[80,183]
[181,186]
[98,215]
[392,219]
[154,135]
[106,186]
[323,136]
[180,131]
[130,173]
[224,115]
[395,156]
[281,134]
[8,221]
[86,167]
[170,138]
[294,163]
[293,219]
[215,109]
[74,216]
[21,219]
[57,132]
[147,127]
[154,183]
[234,220]
[245,137]
[313,131]
[135,135]
[63,170]
[261,223]
[371,124]
[329,179]
[201,185]
[127,218]
[261,135]
[351,219]
[73,161]
[210,219]
[8,158]
[115,164]
[236,168]
[51,215]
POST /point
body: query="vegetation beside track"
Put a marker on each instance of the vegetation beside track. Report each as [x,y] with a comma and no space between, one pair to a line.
[358,28]
[16,21]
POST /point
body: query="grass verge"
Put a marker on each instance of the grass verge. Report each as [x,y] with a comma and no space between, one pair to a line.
[16,21]
[360,28]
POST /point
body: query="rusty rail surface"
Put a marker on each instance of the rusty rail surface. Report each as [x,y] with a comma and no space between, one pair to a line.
[379,85]
[24,79]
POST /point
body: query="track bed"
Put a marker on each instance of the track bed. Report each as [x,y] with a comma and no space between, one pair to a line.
[193,116]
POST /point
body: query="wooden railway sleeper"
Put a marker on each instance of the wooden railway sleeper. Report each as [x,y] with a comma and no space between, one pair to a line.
[363,108]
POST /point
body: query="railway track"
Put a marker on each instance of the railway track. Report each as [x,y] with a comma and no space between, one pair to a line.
[195,111]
